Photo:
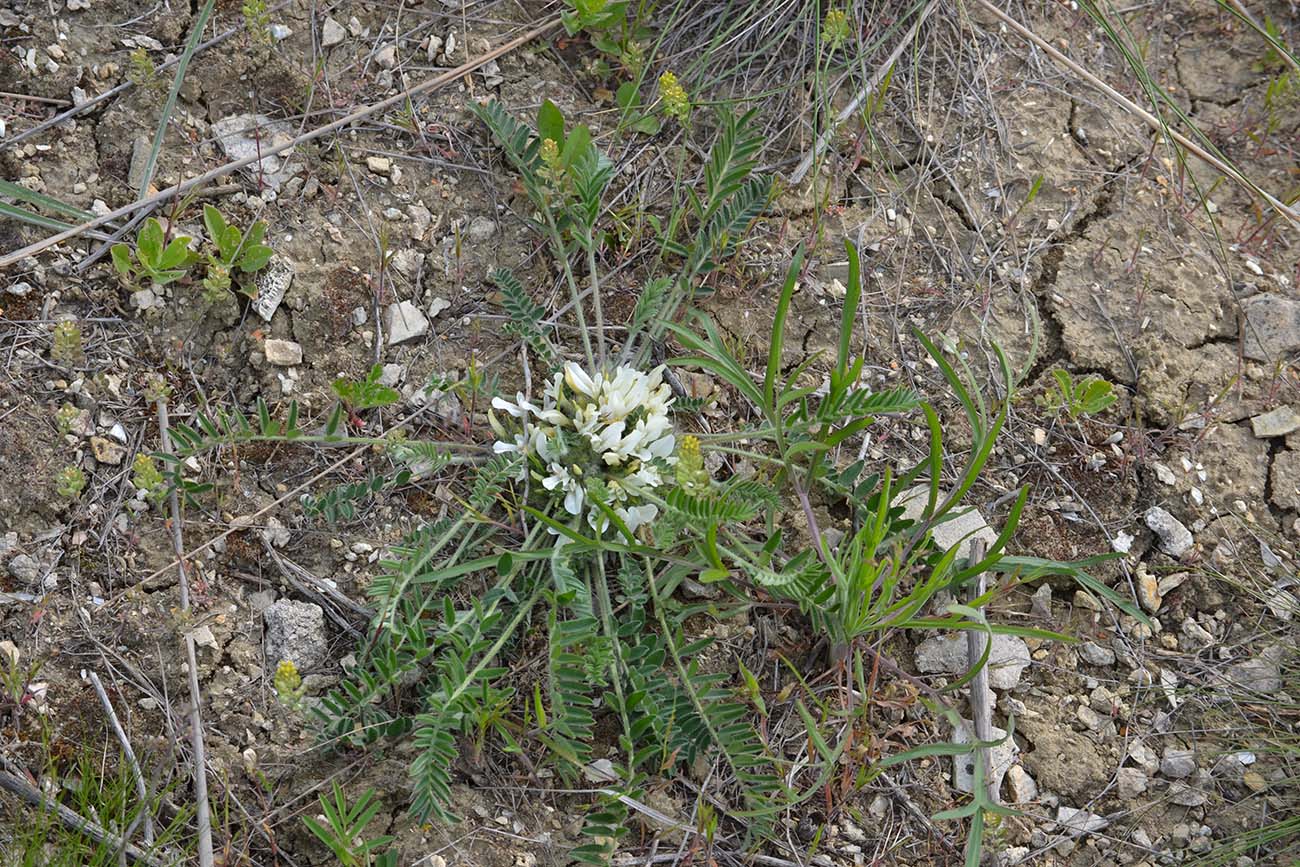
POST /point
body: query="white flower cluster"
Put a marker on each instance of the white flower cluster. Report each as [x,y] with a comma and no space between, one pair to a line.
[608,434]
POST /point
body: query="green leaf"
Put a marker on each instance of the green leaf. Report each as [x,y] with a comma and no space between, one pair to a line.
[176,253]
[215,224]
[121,254]
[256,233]
[778,330]
[149,243]
[576,146]
[628,95]
[647,124]
[550,123]
[22,194]
[255,258]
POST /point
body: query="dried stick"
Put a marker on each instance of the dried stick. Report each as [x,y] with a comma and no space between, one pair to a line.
[13,783]
[320,131]
[820,144]
[202,814]
[140,789]
[980,694]
[1147,117]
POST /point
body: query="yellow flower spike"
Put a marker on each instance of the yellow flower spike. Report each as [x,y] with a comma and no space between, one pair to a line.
[672,95]
[835,28]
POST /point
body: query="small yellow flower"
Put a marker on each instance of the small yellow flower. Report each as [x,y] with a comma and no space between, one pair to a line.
[288,682]
[691,474]
[672,95]
[835,28]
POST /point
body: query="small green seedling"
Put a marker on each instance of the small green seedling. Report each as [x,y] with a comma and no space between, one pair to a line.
[160,262]
[1078,398]
[65,343]
[70,482]
[359,394]
[146,476]
[343,826]
[235,250]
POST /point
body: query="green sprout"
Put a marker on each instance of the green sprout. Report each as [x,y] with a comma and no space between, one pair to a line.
[146,477]
[70,482]
[236,250]
[161,264]
[64,416]
[66,343]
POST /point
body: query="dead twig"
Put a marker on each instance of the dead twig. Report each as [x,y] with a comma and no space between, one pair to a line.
[980,694]
[321,131]
[131,760]
[202,814]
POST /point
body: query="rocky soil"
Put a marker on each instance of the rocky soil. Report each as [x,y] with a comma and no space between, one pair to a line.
[1138,745]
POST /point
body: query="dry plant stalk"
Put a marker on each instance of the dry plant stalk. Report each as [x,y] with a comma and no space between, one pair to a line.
[202,813]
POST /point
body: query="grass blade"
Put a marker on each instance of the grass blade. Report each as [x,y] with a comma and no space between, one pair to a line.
[22,194]
[196,32]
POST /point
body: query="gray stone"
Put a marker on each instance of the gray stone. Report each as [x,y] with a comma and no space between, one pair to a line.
[1285,478]
[947,655]
[379,165]
[408,262]
[296,631]
[1095,654]
[1187,796]
[1276,422]
[1074,821]
[140,149]
[1130,782]
[1041,602]
[283,353]
[250,136]
[331,33]
[481,229]
[386,57]
[1178,764]
[1023,787]
[405,322]
[1262,674]
[1175,539]
[1001,758]
[392,375]
[1270,327]
[958,531]
[25,569]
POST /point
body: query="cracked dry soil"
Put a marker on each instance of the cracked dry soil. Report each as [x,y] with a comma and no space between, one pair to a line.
[1111,268]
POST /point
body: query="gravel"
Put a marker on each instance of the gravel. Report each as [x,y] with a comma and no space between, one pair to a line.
[947,655]
[405,322]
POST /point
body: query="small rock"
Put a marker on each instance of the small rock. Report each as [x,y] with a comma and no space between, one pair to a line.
[275,534]
[359,316]
[404,322]
[947,654]
[203,637]
[25,569]
[1180,836]
[1130,783]
[1178,764]
[1175,538]
[1262,674]
[1074,821]
[967,526]
[379,165]
[145,299]
[271,284]
[386,57]
[282,353]
[480,229]
[1164,474]
[1148,591]
[438,305]
[331,33]
[1187,796]
[1276,423]
[408,263]
[1270,327]
[280,32]
[1022,785]
[1041,602]
[1090,718]
[250,136]
[1123,542]
[296,631]
[18,289]
[106,451]
[392,375]
[1001,758]
[1095,654]
[600,771]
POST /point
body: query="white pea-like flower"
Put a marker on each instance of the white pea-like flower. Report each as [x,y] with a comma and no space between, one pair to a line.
[597,436]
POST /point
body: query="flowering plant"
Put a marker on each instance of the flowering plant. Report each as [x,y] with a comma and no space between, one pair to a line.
[600,437]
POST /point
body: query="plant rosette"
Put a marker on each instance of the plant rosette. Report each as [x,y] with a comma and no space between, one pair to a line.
[603,437]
